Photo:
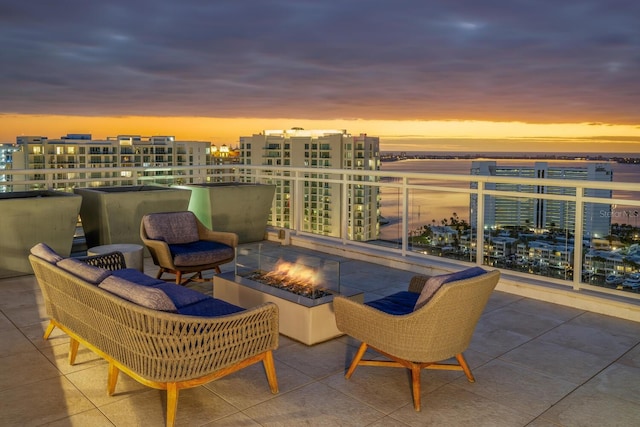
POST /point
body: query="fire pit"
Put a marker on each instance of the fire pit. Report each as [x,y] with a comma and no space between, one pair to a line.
[302,286]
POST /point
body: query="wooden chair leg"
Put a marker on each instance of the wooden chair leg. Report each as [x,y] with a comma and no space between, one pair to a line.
[270,370]
[415,385]
[465,367]
[217,269]
[50,327]
[73,350]
[178,277]
[356,360]
[112,378]
[172,403]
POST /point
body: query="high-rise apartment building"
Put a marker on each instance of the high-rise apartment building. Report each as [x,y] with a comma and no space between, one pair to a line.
[322,199]
[124,152]
[543,214]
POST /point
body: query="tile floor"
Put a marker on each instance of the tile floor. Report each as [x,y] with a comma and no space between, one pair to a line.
[536,364]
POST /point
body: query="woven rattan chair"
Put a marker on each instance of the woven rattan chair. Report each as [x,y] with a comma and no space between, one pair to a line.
[424,338]
[179,243]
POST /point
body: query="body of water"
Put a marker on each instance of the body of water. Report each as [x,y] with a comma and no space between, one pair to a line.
[426,206]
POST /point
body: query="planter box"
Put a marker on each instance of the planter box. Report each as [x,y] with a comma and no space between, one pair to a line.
[31,217]
[112,215]
[239,208]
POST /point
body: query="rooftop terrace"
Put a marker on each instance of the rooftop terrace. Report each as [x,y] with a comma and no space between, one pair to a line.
[535,363]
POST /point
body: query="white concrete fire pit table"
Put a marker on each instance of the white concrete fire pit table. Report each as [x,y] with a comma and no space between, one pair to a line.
[304,319]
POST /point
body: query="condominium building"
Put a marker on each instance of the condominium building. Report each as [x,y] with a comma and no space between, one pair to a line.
[543,214]
[322,199]
[75,152]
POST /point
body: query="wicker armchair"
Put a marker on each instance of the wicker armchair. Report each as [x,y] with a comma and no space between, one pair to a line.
[437,331]
[179,243]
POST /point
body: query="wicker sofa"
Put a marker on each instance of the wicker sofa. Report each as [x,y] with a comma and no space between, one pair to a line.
[185,340]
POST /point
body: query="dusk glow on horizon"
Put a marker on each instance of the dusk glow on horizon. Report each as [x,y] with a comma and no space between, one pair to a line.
[423,76]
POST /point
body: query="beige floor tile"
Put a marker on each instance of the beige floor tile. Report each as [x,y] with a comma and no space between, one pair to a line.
[234,420]
[387,389]
[196,406]
[561,362]
[12,341]
[592,339]
[25,368]
[588,407]
[59,356]
[91,418]
[35,333]
[319,360]
[618,380]
[92,382]
[452,406]
[38,403]
[312,405]
[249,386]
[632,357]
[521,389]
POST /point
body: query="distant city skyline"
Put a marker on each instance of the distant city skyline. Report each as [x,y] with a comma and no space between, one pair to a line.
[395,136]
[437,75]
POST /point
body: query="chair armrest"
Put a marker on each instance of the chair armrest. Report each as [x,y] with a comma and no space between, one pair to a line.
[159,251]
[369,324]
[109,261]
[228,238]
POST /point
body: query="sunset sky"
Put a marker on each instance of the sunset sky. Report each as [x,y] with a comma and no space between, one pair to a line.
[494,75]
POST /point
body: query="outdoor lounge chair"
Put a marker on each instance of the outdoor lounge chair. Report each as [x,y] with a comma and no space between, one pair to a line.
[179,243]
[439,328]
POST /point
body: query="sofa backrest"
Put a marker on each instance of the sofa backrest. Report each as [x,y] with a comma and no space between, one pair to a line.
[171,227]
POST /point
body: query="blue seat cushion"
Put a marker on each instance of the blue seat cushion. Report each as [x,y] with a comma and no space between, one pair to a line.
[180,295]
[202,252]
[136,276]
[210,307]
[399,303]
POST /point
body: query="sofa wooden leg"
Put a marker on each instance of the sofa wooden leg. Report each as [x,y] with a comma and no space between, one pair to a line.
[50,328]
[172,403]
[73,350]
[112,378]
[270,370]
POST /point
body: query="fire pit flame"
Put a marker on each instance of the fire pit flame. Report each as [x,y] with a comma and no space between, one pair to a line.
[293,277]
[294,273]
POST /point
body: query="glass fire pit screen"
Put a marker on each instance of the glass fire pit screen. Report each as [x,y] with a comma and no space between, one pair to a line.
[300,274]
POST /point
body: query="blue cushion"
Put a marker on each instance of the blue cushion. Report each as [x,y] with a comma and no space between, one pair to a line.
[171,227]
[210,307]
[88,273]
[180,295]
[200,253]
[435,283]
[136,276]
[399,303]
[145,296]
[44,251]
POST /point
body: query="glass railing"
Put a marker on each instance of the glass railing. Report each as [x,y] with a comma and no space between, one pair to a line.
[581,234]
